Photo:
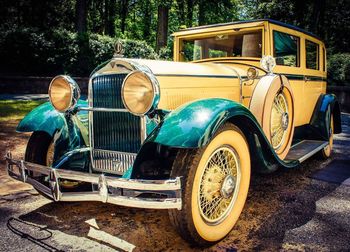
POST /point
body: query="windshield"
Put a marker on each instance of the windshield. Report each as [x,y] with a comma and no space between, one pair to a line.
[237,45]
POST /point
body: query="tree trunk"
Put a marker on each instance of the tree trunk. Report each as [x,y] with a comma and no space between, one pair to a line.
[189,13]
[81,15]
[162,29]
[181,11]
[123,14]
[110,13]
[201,12]
[147,20]
[317,16]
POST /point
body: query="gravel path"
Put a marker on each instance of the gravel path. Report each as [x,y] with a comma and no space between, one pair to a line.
[286,210]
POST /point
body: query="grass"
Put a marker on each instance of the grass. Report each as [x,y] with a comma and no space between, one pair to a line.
[15,110]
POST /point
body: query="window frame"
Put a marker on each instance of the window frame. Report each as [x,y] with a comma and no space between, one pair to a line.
[226,32]
[318,61]
[298,61]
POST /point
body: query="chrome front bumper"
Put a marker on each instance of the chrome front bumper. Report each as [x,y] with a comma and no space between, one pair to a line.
[19,170]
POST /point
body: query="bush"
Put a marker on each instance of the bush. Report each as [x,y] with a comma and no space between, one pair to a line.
[339,69]
[166,53]
[30,52]
[138,49]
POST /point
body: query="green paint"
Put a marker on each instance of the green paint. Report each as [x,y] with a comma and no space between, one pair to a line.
[63,127]
[194,124]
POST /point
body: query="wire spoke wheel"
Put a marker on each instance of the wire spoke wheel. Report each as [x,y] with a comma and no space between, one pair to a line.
[272,104]
[279,120]
[215,186]
[219,185]
[50,154]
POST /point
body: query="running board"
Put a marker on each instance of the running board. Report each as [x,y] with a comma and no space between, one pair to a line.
[305,149]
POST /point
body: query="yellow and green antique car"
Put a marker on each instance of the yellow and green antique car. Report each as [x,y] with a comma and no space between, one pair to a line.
[239,97]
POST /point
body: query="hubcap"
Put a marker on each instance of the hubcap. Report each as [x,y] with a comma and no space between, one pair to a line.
[219,185]
[285,121]
[279,120]
[228,186]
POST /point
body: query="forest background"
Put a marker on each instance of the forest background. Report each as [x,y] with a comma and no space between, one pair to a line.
[45,38]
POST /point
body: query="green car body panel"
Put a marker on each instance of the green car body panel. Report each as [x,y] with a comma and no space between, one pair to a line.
[194,124]
[319,119]
[69,130]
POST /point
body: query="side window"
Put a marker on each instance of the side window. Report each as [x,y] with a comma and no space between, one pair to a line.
[286,49]
[312,55]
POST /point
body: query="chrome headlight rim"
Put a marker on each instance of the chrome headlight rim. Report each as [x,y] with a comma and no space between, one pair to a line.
[74,92]
[155,88]
[252,73]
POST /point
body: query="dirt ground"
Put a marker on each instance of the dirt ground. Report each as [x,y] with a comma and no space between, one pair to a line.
[277,203]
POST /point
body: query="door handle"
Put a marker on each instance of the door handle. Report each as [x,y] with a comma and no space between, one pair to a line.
[307,78]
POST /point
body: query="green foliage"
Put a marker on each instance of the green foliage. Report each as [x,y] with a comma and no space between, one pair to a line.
[339,69]
[138,49]
[37,37]
[31,52]
[166,53]
[13,110]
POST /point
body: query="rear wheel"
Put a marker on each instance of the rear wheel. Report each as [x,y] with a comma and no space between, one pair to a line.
[215,187]
[327,151]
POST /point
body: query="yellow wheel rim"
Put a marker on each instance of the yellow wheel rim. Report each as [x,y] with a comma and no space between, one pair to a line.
[50,154]
[219,185]
[328,149]
[279,120]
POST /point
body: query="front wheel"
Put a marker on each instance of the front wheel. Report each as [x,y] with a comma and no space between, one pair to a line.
[215,187]
[40,150]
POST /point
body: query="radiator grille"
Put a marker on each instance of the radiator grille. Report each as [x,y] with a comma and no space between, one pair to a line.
[116,136]
[113,161]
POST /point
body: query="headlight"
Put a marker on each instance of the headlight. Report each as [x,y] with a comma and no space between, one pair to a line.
[140,92]
[64,93]
[252,73]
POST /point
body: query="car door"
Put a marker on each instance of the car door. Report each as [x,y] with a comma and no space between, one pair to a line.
[314,78]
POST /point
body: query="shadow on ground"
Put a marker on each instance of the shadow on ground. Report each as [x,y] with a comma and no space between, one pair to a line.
[276,203]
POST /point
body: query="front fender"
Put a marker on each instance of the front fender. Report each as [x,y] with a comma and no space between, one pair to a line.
[193,124]
[68,130]
[42,118]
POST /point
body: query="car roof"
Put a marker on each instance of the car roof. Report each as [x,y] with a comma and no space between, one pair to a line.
[251,21]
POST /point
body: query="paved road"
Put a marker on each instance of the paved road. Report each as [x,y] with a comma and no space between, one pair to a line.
[286,210]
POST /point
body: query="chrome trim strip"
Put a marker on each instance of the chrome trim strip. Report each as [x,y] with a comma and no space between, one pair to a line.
[102,109]
[143,129]
[104,182]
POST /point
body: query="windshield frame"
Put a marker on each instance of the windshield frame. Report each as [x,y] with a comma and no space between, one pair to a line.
[178,56]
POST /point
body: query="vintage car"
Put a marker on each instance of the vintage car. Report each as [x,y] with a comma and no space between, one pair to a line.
[240,97]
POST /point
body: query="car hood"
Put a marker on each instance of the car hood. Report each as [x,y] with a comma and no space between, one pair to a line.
[182,82]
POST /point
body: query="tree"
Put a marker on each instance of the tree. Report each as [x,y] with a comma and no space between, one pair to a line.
[124,4]
[81,16]
[162,28]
